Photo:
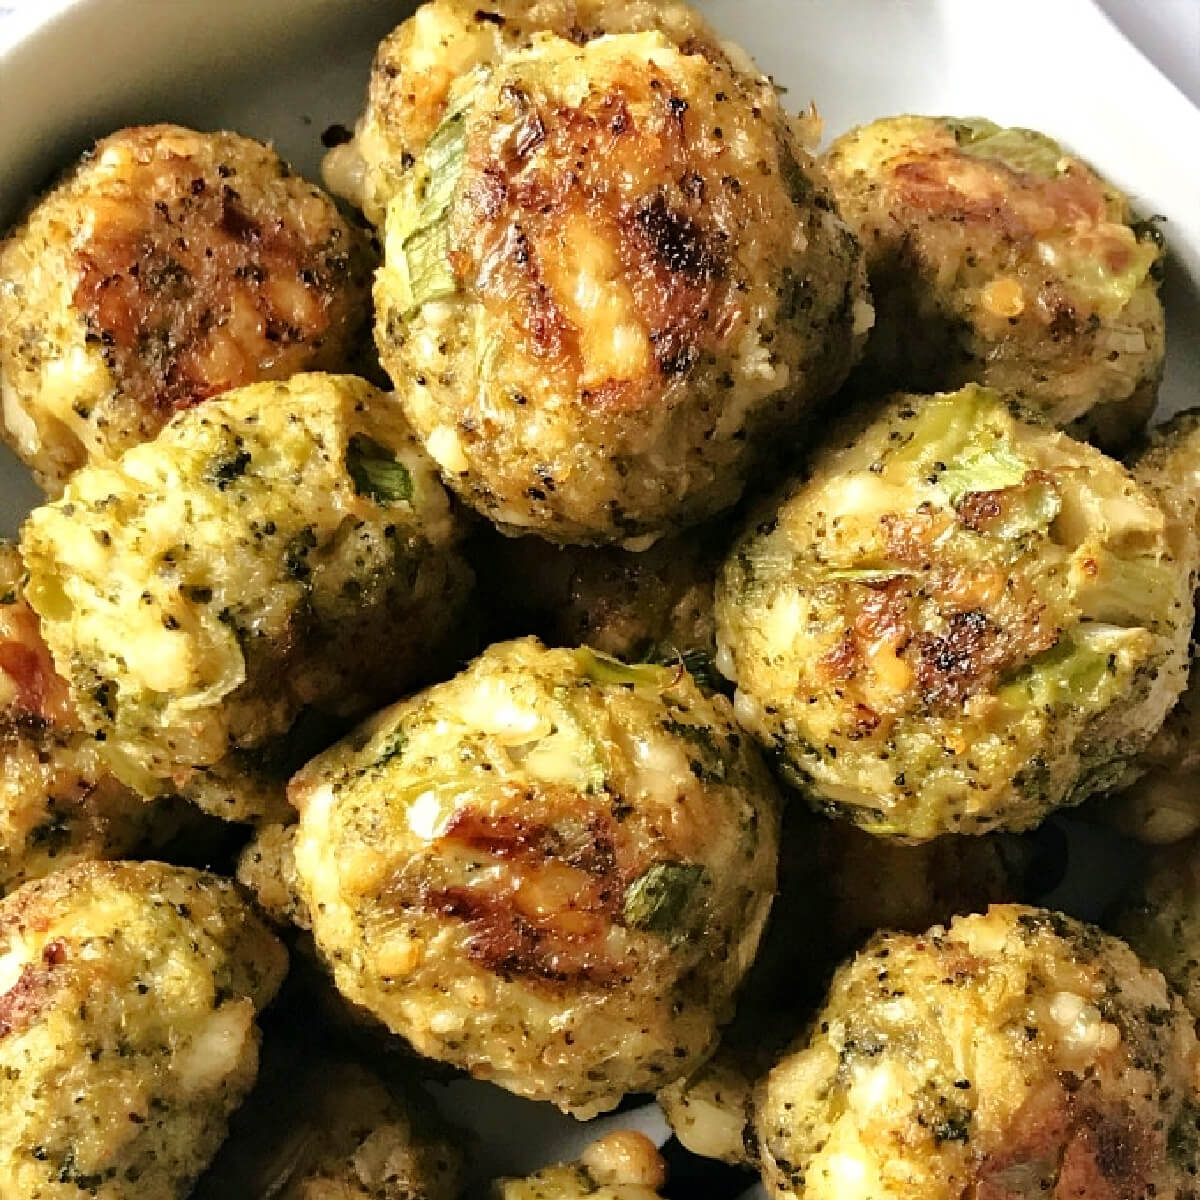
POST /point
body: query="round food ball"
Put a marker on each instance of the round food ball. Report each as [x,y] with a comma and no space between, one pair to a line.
[286,545]
[1161,919]
[318,1128]
[418,63]
[997,258]
[552,870]
[1019,1053]
[128,995]
[837,885]
[168,267]
[611,279]
[624,1165]
[651,605]
[961,621]
[1158,799]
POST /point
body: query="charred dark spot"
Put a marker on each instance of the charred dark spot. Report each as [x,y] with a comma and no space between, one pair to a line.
[841,662]
[491,18]
[673,351]
[1063,324]
[692,185]
[618,118]
[503,835]
[952,667]
[679,245]
[546,916]
[236,221]
[55,953]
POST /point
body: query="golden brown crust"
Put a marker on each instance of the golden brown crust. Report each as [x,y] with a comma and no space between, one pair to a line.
[195,283]
[128,997]
[515,207]
[551,870]
[168,267]
[1019,1053]
[613,274]
[416,66]
[996,257]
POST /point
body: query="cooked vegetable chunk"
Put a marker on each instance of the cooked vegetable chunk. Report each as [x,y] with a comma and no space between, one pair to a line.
[961,621]
[128,995]
[418,63]
[622,1166]
[168,267]
[59,803]
[283,546]
[1019,1053]
[552,870]
[611,277]
[997,258]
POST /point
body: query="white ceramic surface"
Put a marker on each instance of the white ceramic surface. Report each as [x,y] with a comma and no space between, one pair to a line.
[285,69]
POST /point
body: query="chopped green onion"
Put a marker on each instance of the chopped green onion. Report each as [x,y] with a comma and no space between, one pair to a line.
[658,900]
[419,217]
[604,669]
[866,574]
[375,471]
[1018,149]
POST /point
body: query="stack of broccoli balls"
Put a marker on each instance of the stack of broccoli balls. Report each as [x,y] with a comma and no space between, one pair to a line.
[574,708]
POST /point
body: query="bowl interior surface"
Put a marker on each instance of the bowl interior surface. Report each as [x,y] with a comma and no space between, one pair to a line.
[284,70]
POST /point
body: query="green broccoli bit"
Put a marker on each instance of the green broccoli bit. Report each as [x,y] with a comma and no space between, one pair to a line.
[993,468]
[1070,672]
[602,668]
[1018,149]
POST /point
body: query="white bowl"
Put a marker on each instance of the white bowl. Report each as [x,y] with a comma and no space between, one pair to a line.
[286,69]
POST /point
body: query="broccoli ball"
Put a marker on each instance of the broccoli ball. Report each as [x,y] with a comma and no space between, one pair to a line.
[418,63]
[1160,800]
[168,267]
[326,1129]
[552,870]
[1020,1053]
[1161,919]
[651,605]
[961,621]
[621,1166]
[59,803]
[837,886]
[610,280]
[283,546]
[128,995]
[997,258]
